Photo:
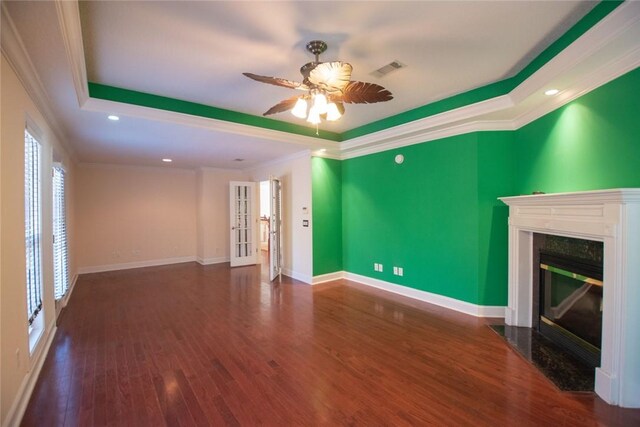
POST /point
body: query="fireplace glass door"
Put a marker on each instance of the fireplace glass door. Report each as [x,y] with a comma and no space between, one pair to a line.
[571,306]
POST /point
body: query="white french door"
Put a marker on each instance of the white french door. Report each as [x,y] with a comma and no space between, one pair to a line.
[275,229]
[243,205]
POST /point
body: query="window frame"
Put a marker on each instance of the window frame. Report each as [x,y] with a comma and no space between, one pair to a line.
[60,235]
[35,318]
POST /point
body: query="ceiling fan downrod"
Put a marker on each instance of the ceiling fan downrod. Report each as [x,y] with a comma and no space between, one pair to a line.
[316,47]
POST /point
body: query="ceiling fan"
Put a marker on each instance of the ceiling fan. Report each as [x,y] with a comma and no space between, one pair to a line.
[327,85]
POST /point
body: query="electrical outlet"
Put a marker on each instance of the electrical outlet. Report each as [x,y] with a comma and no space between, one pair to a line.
[395,270]
[380,268]
[400,271]
[375,266]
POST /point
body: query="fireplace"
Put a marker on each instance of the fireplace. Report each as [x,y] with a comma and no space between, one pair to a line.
[612,218]
[570,304]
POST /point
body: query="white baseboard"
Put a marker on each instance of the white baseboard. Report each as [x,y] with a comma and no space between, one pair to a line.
[440,300]
[137,264]
[606,386]
[16,412]
[208,261]
[329,277]
[298,276]
[72,286]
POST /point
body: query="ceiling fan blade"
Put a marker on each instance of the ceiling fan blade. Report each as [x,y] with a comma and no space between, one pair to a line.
[363,93]
[277,81]
[285,105]
[331,75]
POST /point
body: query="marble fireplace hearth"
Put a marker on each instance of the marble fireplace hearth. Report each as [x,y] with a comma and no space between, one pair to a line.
[608,216]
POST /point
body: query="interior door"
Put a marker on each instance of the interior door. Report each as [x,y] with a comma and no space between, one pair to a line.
[275,228]
[244,243]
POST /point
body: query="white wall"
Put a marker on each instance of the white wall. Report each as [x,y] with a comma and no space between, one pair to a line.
[213,213]
[134,216]
[19,368]
[295,175]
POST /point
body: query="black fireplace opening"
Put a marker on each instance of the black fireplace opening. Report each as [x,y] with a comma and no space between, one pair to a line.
[570,307]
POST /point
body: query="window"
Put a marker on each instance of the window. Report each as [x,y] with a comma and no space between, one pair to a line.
[60,264]
[32,226]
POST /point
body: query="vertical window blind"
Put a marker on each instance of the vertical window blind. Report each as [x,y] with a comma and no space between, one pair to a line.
[60,262]
[32,225]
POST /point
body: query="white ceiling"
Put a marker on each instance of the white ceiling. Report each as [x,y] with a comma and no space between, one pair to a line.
[196,51]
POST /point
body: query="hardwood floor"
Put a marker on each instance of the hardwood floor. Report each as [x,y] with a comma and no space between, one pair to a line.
[192,345]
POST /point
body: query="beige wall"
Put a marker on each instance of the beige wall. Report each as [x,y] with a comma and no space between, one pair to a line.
[213,213]
[295,175]
[128,216]
[17,362]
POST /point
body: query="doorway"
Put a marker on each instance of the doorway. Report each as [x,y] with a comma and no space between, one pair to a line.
[265,219]
[270,233]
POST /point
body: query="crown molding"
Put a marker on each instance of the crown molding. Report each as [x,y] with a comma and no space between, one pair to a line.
[105,106]
[281,160]
[602,34]
[600,76]
[16,55]
[445,132]
[425,125]
[69,20]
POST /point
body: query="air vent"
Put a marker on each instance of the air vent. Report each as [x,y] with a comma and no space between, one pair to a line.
[238,160]
[392,66]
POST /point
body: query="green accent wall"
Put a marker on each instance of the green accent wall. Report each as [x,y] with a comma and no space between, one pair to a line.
[591,143]
[326,200]
[495,179]
[431,215]
[437,214]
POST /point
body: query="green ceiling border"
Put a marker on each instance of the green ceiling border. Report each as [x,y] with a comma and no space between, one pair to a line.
[111,93]
[492,90]
[483,93]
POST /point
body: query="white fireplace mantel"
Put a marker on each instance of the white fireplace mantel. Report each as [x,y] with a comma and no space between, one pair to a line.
[609,216]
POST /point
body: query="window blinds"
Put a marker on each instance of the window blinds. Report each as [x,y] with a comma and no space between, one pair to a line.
[60,262]
[32,225]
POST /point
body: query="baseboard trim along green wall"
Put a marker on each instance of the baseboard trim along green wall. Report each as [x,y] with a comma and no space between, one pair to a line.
[437,216]
[435,299]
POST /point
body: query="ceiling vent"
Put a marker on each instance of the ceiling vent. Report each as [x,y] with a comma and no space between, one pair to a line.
[392,66]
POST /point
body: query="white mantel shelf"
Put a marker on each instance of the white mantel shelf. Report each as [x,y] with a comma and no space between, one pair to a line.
[612,217]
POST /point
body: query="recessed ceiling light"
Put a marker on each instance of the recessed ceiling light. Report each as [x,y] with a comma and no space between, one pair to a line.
[551,92]
[323,150]
[114,118]
[167,160]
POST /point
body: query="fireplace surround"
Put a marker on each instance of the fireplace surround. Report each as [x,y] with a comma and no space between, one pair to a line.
[608,216]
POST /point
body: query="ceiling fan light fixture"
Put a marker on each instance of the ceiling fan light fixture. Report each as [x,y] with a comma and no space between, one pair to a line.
[320,102]
[333,113]
[327,86]
[314,116]
[300,109]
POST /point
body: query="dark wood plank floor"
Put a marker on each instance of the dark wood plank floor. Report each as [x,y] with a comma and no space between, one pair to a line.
[191,345]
